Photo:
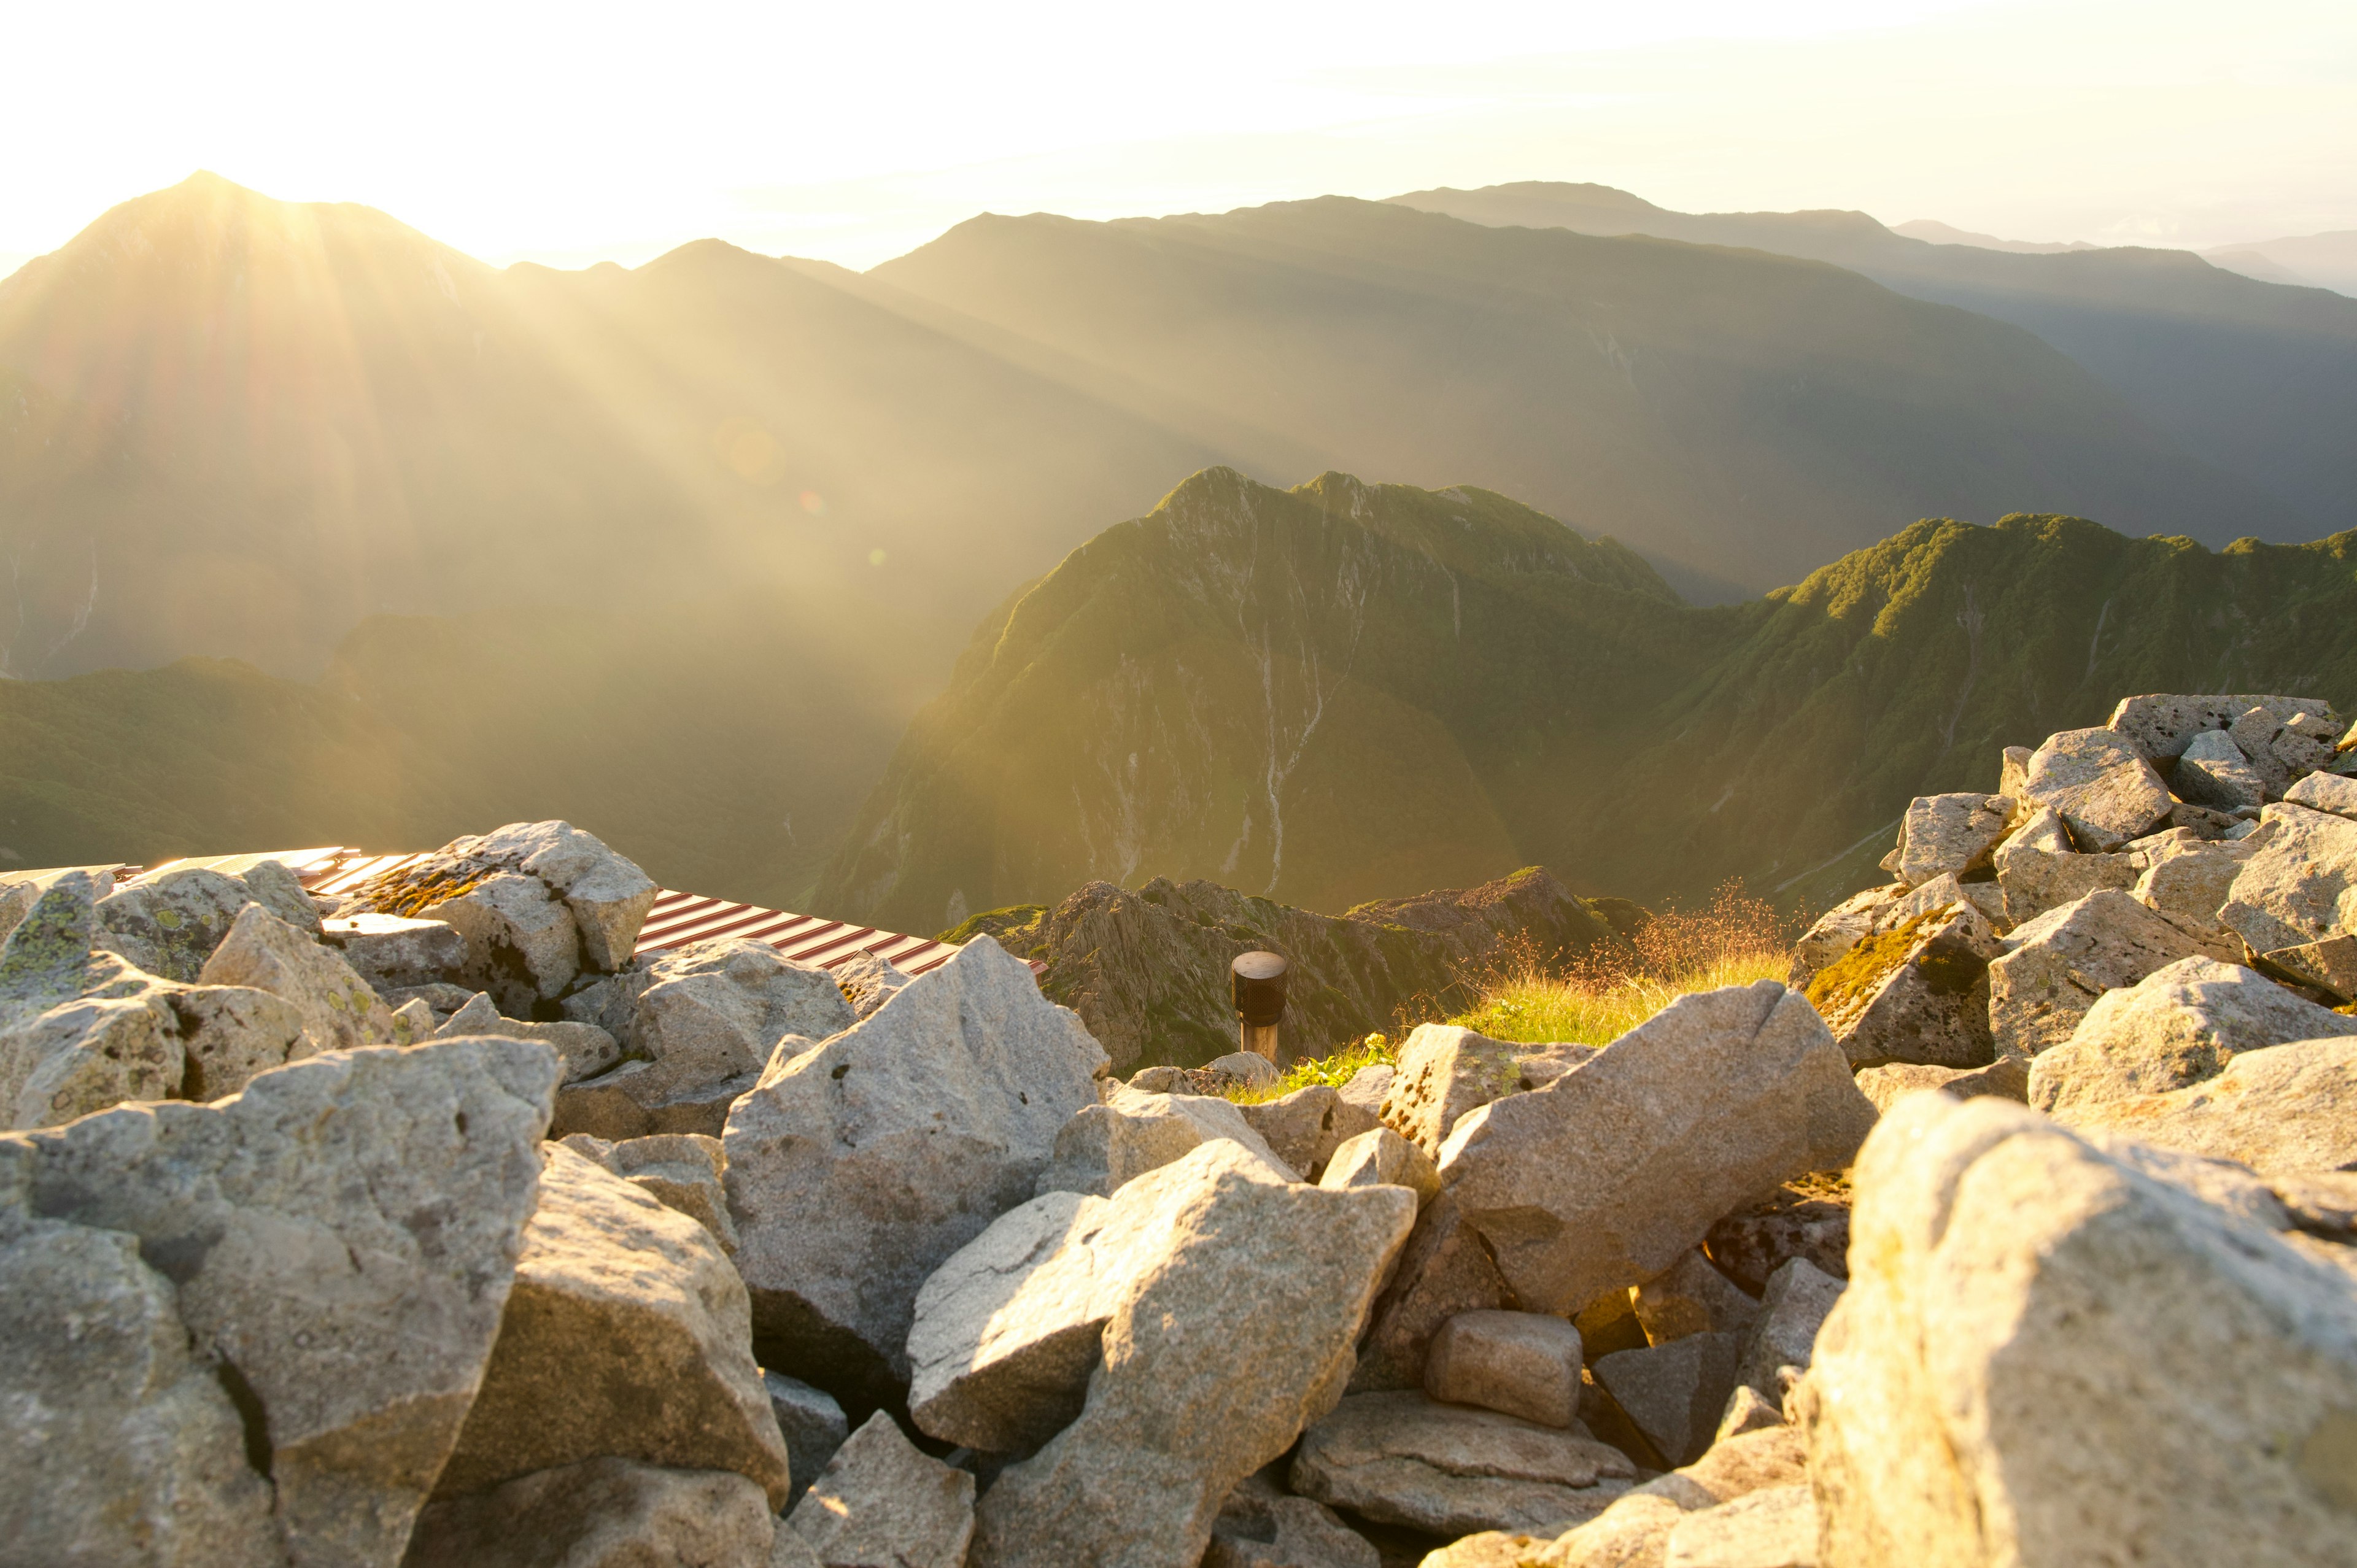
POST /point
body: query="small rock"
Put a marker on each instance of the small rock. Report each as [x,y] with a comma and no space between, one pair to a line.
[714,1011]
[2329,966]
[339,1009]
[1383,1158]
[411,1021]
[2213,771]
[1162,1079]
[1401,1458]
[168,925]
[1302,1128]
[1367,1089]
[2178,1025]
[2104,791]
[16,901]
[1800,1295]
[1522,1364]
[1751,1245]
[866,983]
[586,1049]
[600,1513]
[1692,1297]
[858,1166]
[627,1334]
[1842,928]
[1674,1391]
[2055,967]
[1244,1068]
[2038,869]
[1918,993]
[682,1171]
[230,1034]
[392,952]
[2325,792]
[2282,748]
[443,999]
[1107,1146]
[880,1503]
[1949,835]
[2008,1077]
[2280,1111]
[1259,1526]
[814,1425]
[1747,1411]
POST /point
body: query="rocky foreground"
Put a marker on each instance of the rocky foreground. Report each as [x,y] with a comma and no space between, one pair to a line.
[436,1229]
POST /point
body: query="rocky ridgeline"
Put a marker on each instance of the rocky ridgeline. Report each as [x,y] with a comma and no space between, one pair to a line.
[713,1259]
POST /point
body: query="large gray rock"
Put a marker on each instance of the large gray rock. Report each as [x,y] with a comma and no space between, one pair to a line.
[1948,836]
[2039,869]
[2282,748]
[339,1009]
[2160,725]
[2301,882]
[169,924]
[2282,1111]
[1521,1364]
[1218,1306]
[119,1446]
[1918,993]
[1133,1132]
[856,1167]
[586,1049]
[1400,1458]
[536,902]
[1985,1391]
[600,1513]
[392,952]
[714,1011]
[2056,966]
[2104,791]
[1605,1176]
[341,1237]
[2213,771]
[627,1334]
[880,1503]
[1674,1391]
[2178,1025]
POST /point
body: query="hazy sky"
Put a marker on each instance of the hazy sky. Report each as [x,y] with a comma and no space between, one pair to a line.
[573,133]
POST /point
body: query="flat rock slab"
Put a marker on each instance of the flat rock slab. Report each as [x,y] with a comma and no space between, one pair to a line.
[2178,1026]
[393,951]
[343,1234]
[2055,967]
[2281,1111]
[858,1166]
[628,1334]
[1400,1458]
[1985,1391]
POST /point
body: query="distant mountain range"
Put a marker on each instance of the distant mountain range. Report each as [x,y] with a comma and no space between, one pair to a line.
[1333,692]
[678,551]
[2257,378]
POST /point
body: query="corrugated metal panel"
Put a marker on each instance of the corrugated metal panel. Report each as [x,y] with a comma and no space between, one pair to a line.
[676,919]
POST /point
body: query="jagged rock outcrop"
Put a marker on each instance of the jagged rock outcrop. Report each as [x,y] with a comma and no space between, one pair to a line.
[1148,971]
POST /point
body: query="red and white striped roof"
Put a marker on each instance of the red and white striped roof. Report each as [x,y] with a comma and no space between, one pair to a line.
[676,919]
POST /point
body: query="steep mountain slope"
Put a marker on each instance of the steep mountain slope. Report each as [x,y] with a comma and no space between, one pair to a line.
[2256,378]
[235,427]
[1346,690]
[1739,417]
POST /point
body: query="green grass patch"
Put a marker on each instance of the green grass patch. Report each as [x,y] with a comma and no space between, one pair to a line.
[1375,1050]
[1539,1010]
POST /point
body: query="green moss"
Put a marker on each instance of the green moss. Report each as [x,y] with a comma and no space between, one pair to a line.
[1848,981]
[409,893]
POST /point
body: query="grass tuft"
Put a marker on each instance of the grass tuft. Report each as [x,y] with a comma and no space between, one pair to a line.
[1375,1050]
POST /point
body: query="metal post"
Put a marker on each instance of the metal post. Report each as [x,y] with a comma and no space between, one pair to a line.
[1257,981]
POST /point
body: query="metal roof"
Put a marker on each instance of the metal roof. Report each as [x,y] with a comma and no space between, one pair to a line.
[676,919]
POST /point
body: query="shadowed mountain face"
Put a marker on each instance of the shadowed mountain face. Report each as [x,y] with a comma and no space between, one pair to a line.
[1343,690]
[2256,378]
